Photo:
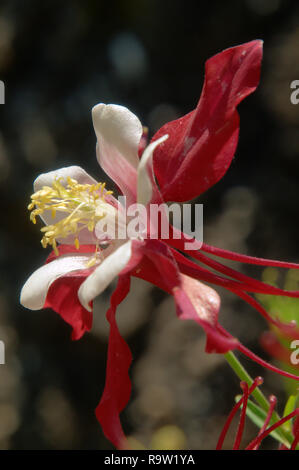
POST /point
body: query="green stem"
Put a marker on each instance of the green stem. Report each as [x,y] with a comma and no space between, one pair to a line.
[257,393]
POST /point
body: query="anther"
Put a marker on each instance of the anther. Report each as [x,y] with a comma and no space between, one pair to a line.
[80,202]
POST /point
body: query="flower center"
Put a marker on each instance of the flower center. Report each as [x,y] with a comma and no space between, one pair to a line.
[82,204]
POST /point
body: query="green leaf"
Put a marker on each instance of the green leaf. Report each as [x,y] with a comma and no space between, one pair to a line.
[290,406]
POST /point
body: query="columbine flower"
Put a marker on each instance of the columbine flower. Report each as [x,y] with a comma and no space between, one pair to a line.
[189,155]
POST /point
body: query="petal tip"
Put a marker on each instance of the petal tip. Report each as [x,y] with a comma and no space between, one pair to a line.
[26,299]
[97,111]
[97,108]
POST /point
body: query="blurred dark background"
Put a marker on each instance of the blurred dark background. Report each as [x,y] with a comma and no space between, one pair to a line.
[57,60]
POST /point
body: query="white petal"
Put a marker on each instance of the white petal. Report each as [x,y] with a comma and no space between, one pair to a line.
[75,172]
[35,289]
[101,277]
[46,179]
[144,184]
[120,128]
[85,237]
[118,133]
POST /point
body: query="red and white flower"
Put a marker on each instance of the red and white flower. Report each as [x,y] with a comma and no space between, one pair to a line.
[186,157]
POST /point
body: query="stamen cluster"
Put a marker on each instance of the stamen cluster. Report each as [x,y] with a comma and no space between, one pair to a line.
[83,204]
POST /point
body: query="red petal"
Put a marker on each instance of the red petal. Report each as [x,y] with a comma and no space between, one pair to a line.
[256,286]
[240,286]
[201,144]
[117,386]
[62,295]
[62,298]
[194,300]
[226,254]
[190,303]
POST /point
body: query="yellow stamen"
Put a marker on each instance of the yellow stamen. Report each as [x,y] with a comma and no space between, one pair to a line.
[91,262]
[55,247]
[83,204]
